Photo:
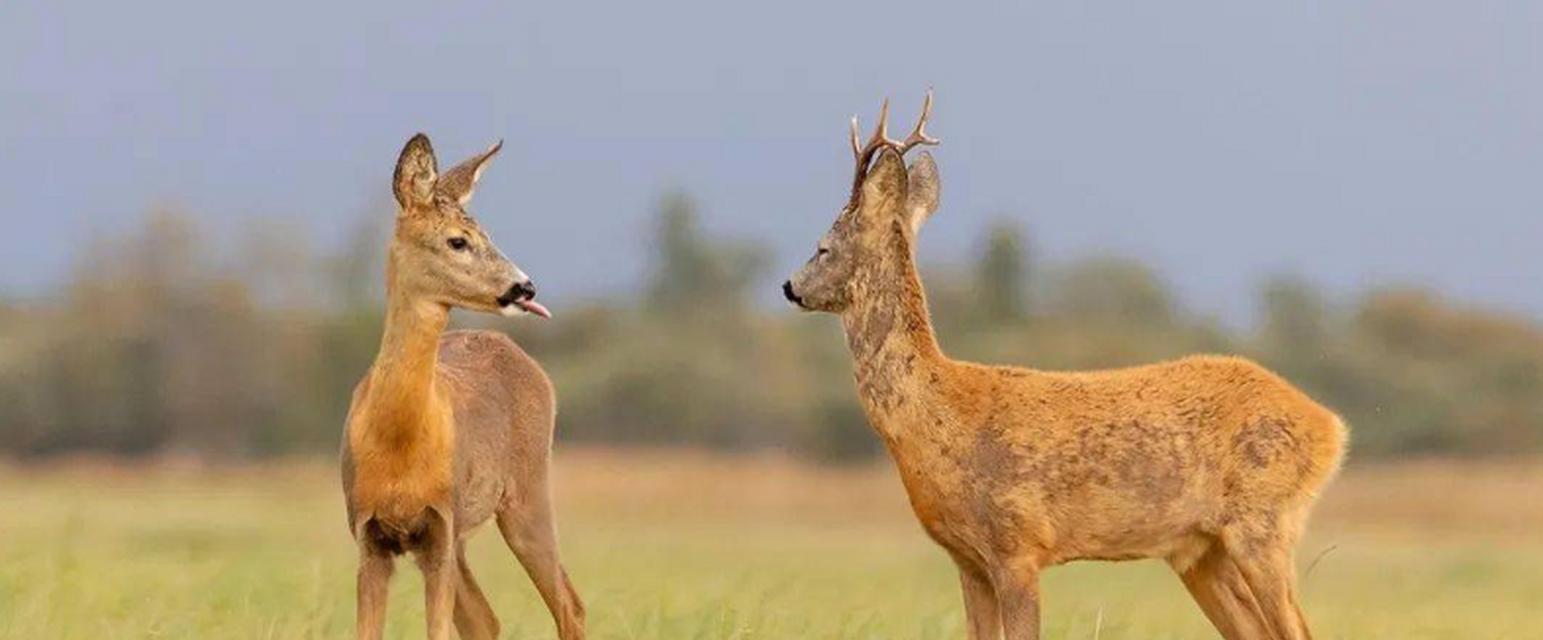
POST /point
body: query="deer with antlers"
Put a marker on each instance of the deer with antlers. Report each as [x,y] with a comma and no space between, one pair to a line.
[1210,463]
[449,430]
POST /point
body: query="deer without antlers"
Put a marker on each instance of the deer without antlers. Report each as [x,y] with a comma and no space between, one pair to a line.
[1210,463]
[449,430]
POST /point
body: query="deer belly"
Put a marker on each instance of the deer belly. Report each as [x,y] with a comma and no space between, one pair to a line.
[1125,528]
[1128,543]
[1061,521]
[477,497]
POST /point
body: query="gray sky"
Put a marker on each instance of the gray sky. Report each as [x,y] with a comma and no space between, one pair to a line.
[1357,143]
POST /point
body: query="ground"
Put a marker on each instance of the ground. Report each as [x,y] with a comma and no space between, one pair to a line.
[676,546]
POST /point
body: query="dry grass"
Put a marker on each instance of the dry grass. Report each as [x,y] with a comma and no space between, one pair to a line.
[676,545]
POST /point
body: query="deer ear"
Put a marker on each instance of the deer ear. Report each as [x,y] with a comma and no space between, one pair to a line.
[922,193]
[461,180]
[885,184]
[416,172]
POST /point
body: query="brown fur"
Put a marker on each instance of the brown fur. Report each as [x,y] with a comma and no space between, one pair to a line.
[1208,462]
[449,430]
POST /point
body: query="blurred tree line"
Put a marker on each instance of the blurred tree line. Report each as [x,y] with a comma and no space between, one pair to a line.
[163,342]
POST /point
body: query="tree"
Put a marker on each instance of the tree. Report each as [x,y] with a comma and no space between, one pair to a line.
[1116,290]
[690,269]
[1002,273]
[1293,317]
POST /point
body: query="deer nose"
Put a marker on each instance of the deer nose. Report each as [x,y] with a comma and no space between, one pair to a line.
[520,291]
[787,292]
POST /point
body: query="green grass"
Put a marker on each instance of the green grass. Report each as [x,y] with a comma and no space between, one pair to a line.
[264,554]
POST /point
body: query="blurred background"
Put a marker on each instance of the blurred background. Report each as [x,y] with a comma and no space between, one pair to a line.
[195,204]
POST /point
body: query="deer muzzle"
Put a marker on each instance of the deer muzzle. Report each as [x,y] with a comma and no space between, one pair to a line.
[521,298]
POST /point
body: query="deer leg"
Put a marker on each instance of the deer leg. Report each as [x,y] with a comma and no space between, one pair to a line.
[1264,563]
[1017,587]
[528,527]
[980,602]
[374,584]
[1248,616]
[474,617]
[1214,582]
[1296,607]
[436,559]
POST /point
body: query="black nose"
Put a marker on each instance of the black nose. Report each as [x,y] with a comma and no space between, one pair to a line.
[520,291]
[787,292]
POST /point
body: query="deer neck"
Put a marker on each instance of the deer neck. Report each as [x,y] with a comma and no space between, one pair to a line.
[889,332]
[402,402]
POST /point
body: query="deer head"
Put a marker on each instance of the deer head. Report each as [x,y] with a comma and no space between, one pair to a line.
[887,199]
[439,253]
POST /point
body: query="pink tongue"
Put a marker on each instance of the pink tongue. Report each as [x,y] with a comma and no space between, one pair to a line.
[535,307]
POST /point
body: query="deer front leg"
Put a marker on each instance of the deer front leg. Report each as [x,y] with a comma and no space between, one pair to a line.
[374,583]
[1017,586]
[981,614]
[436,559]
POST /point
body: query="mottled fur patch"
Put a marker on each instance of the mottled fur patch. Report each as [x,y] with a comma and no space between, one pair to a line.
[1265,442]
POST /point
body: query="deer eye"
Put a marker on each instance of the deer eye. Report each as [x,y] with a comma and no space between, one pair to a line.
[458,243]
[821,252]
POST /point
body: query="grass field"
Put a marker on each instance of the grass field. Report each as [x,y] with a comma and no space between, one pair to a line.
[677,546]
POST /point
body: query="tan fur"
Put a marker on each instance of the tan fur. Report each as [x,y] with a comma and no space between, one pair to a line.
[1208,462]
[449,430]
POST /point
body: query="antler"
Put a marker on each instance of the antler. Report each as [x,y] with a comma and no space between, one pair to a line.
[877,141]
[919,134]
[880,140]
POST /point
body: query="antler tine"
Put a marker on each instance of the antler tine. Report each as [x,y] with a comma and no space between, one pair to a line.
[877,141]
[919,134]
[857,145]
[881,134]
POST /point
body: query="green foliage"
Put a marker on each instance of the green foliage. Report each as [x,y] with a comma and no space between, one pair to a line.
[1294,317]
[692,271]
[1110,291]
[1002,274]
[158,344]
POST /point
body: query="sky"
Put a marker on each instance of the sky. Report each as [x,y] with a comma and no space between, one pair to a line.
[1359,144]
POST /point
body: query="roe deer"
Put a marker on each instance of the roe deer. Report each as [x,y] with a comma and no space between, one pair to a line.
[447,430]
[1210,463]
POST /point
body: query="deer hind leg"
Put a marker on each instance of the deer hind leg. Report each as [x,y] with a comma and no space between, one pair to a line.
[1264,562]
[1217,586]
[374,584]
[527,526]
[474,617]
[981,612]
